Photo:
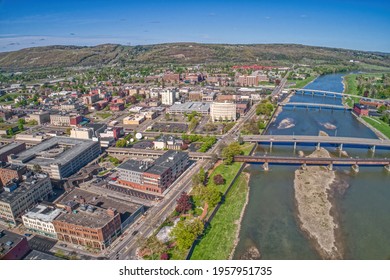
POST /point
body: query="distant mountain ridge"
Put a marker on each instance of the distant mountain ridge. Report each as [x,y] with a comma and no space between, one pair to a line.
[184,54]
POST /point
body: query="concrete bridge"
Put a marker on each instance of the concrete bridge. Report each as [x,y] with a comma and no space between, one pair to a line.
[340,142]
[313,105]
[304,161]
[113,151]
[326,93]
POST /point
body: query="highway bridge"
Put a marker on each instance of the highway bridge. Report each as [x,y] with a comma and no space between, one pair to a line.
[313,105]
[332,94]
[113,151]
[330,162]
[340,142]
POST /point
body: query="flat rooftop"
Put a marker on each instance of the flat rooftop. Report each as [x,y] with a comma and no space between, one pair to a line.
[23,188]
[134,165]
[9,147]
[56,150]
[38,255]
[191,106]
[8,240]
[43,213]
[100,201]
[96,219]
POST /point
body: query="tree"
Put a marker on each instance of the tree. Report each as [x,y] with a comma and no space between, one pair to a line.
[20,127]
[37,168]
[164,256]
[121,143]
[218,179]
[202,176]
[68,130]
[186,232]
[230,151]
[155,246]
[10,131]
[183,203]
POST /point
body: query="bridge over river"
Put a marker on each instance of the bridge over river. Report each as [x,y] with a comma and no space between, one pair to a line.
[313,105]
[330,162]
[339,142]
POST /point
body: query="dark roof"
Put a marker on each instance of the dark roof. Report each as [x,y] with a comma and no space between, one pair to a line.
[360,106]
[38,255]
[9,240]
[134,165]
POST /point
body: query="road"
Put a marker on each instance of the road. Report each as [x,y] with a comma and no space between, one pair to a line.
[126,248]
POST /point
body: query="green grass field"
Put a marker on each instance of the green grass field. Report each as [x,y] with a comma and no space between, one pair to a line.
[218,242]
[302,83]
[381,126]
[103,115]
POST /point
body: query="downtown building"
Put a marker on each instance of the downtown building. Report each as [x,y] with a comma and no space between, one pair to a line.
[88,226]
[16,197]
[60,157]
[223,111]
[153,177]
[40,220]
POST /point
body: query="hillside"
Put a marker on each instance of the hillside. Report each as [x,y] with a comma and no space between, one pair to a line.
[183,53]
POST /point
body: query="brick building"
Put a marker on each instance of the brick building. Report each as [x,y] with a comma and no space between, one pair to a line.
[360,110]
[153,177]
[9,172]
[12,246]
[88,226]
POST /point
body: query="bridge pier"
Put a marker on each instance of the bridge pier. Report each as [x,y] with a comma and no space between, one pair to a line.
[387,167]
[318,146]
[265,166]
[303,166]
[270,146]
[373,150]
[330,167]
[355,168]
[340,149]
[295,146]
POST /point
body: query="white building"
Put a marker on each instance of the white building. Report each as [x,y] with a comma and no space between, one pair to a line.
[167,97]
[223,111]
[81,133]
[40,220]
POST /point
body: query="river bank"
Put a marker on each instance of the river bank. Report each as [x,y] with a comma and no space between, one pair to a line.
[239,221]
[312,187]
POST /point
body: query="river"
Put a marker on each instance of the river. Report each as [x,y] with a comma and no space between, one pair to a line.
[270,221]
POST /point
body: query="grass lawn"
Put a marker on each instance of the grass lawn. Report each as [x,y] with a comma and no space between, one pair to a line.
[218,241]
[351,100]
[381,126]
[104,115]
[229,171]
[350,84]
[302,83]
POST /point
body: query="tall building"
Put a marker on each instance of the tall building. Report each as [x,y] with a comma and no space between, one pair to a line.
[153,177]
[40,220]
[17,197]
[167,97]
[223,111]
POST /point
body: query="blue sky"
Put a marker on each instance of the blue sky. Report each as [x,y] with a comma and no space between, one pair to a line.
[361,25]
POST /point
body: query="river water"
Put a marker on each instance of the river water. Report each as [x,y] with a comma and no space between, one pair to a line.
[270,221]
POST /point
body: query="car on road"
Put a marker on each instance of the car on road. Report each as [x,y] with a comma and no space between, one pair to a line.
[63,245]
[27,234]
[134,232]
